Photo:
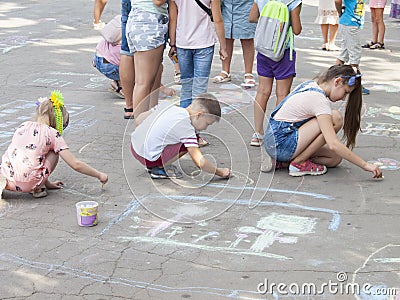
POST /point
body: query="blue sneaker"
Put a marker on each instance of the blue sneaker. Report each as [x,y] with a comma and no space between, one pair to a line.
[365,91]
[165,172]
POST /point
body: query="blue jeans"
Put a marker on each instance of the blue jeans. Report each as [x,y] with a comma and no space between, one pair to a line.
[195,65]
[281,139]
[125,10]
[108,69]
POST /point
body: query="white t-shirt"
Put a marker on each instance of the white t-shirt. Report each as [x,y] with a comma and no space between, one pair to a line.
[302,106]
[166,125]
[194,28]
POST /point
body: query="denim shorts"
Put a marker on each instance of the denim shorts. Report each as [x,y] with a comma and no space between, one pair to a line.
[145,30]
[281,138]
[108,69]
[279,70]
[125,10]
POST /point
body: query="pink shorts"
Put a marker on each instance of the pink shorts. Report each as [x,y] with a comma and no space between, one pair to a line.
[169,152]
[377,3]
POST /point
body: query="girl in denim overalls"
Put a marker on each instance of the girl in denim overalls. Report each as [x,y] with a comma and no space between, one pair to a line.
[303,128]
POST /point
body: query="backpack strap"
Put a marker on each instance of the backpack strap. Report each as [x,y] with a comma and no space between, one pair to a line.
[205,8]
[299,89]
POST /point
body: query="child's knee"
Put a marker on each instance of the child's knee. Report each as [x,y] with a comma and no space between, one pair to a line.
[337,120]
[334,162]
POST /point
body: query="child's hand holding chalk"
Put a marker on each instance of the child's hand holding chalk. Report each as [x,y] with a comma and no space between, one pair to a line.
[103,177]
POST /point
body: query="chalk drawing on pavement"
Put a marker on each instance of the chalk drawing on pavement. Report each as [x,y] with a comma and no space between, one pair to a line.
[16,112]
[376,111]
[386,163]
[53,269]
[69,79]
[379,270]
[382,129]
[14,42]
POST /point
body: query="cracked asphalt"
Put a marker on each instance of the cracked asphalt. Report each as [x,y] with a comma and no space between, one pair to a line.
[199,237]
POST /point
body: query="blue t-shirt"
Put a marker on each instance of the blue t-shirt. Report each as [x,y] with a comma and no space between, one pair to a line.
[353,14]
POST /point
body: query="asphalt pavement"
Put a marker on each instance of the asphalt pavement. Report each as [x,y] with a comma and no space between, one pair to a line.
[254,236]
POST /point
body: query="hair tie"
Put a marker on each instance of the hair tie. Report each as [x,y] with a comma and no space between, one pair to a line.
[57,100]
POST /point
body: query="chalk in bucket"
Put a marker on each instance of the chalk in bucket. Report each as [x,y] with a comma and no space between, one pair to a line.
[86,212]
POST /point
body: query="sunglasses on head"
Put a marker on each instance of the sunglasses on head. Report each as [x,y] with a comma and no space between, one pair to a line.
[352,79]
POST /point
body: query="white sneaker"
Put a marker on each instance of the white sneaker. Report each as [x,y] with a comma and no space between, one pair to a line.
[266,163]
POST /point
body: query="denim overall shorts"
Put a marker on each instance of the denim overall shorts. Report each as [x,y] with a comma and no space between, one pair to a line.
[281,137]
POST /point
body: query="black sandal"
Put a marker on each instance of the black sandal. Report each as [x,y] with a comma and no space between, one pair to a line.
[369,45]
[118,91]
[377,45]
[130,110]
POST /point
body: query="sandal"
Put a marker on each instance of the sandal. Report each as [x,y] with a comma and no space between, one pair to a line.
[220,78]
[177,78]
[368,45]
[116,90]
[165,172]
[40,194]
[377,45]
[324,47]
[202,141]
[248,81]
[257,139]
[128,110]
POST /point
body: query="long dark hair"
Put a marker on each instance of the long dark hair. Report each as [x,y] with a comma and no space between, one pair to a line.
[352,117]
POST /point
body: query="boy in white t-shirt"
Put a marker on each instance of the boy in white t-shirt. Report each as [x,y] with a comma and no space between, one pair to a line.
[167,132]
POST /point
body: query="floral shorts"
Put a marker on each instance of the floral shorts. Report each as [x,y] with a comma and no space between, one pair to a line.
[145,30]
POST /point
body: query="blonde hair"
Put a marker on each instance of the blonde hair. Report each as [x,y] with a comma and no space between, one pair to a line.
[45,113]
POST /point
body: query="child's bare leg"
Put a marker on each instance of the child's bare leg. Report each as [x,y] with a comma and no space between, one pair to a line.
[311,141]
[146,67]
[51,158]
[226,64]
[260,103]
[283,87]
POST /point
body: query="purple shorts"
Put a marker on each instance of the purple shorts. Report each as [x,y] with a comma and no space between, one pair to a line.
[280,70]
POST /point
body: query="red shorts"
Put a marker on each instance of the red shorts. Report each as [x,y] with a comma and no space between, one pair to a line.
[169,152]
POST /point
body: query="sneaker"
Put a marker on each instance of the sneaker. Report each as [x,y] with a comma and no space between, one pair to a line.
[267,164]
[165,172]
[365,91]
[306,168]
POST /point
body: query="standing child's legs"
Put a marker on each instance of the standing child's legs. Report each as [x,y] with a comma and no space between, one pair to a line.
[260,104]
[97,12]
[283,87]
[248,58]
[378,28]
[333,30]
[126,64]
[147,64]
[186,65]
[324,31]
[226,64]
[202,61]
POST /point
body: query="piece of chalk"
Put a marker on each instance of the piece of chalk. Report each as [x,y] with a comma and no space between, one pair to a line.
[383,177]
[102,184]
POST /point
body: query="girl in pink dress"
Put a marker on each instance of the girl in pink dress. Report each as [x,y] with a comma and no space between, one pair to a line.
[35,148]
